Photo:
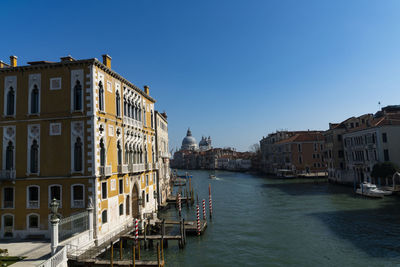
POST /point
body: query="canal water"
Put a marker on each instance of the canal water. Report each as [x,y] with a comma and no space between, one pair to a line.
[260,221]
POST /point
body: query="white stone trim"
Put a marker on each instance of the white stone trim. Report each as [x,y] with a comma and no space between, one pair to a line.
[34,79]
[10,81]
[49,194]
[2,230]
[27,196]
[72,196]
[27,222]
[55,79]
[33,134]
[77,130]
[9,133]
[77,75]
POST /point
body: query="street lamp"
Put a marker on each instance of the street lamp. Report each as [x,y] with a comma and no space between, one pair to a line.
[54,207]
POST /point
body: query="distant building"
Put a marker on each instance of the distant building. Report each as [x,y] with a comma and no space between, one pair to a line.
[189,142]
[371,143]
[205,144]
[299,152]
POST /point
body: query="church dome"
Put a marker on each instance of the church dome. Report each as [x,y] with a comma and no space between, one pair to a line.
[203,142]
[189,142]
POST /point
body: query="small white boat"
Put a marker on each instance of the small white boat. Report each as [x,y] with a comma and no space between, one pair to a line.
[212,176]
[370,190]
[283,173]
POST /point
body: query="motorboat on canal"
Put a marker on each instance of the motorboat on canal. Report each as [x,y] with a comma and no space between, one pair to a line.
[212,176]
[283,173]
[370,190]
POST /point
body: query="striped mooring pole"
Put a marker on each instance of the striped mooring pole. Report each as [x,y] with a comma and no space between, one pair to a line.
[136,230]
[210,200]
[198,219]
[204,209]
[179,205]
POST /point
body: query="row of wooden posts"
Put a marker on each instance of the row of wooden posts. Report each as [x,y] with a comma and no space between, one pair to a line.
[136,253]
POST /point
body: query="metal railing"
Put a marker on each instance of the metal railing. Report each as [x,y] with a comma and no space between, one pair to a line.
[105,170]
[125,168]
[72,225]
[7,175]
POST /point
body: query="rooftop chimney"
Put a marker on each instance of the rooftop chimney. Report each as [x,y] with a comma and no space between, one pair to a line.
[13,61]
[146,90]
[107,61]
[67,58]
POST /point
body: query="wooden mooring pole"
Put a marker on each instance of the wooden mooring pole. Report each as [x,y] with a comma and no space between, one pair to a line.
[158,255]
[133,254]
[112,255]
[120,249]
[138,250]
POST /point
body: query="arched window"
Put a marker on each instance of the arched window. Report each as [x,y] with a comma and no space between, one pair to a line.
[102,153]
[55,193]
[152,124]
[104,216]
[118,103]
[136,113]
[33,221]
[10,101]
[10,156]
[144,117]
[152,156]
[78,194]
[35,100]
[78,155]
[127,205]
[126,154]
[125,104]
[119,153]
[101,96]
[34,164]
[146,160]
[129,109]
[78,96]
[121,209]
[131,156]
[133,111]
[140,114]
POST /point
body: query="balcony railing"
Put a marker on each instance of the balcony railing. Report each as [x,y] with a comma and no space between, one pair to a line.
[79,204]
[6,175]
[155,166]
[125,168]
[33,204]
[8,204]
[105,170]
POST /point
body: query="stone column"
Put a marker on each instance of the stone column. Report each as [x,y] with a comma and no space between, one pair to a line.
[54,234]
[90,218]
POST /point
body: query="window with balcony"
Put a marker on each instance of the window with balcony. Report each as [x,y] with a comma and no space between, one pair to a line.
[121,209]
[118,104]
[33,197]
[151,120]
[77,96]
[10,102]
[127,205]
[33,221]
[384,137]
[121,186]
[119,153]
[386,154]
[104,216]
[34,159]
[10,156]
[78,155]
[55,193]
[78,196]
[101,96]
[35,100]
[129,109]
[104,190]
[8,198]
[102,153]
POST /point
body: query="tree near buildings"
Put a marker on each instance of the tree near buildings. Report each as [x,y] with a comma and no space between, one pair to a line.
[384,170]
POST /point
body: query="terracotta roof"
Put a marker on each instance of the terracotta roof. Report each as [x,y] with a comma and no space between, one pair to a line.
[304,137]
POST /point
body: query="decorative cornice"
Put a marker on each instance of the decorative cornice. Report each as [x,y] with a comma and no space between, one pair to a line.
[92,61]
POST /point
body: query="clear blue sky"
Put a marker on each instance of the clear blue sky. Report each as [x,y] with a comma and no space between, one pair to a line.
[235,70]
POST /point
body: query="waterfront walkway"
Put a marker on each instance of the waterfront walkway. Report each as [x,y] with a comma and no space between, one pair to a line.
[35,251]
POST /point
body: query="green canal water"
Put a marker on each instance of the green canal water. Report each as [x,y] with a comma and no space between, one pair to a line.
[259,221]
